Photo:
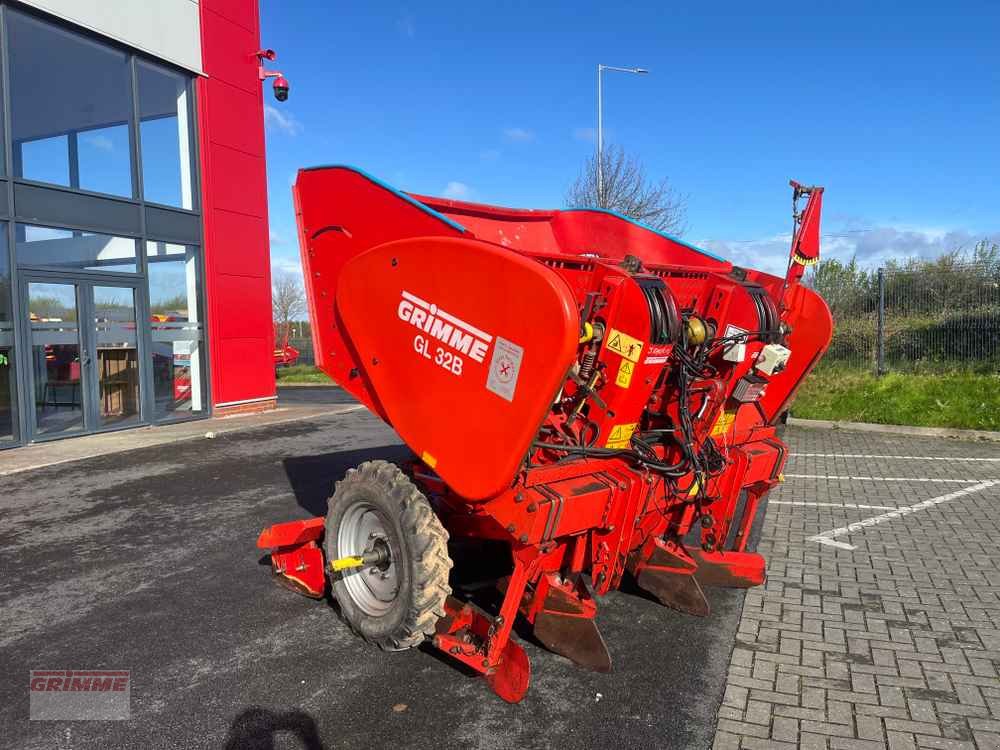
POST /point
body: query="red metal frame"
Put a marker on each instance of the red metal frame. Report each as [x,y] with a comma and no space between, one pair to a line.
[528,439]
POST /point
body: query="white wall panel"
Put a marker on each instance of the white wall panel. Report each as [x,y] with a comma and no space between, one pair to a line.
[168,29]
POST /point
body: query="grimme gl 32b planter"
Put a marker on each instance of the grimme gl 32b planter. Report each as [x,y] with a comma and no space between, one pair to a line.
[596,396]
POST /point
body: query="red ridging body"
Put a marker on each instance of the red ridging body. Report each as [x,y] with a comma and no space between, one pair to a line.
[598,396]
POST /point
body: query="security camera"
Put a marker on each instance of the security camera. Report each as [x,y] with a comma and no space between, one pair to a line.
[280,88]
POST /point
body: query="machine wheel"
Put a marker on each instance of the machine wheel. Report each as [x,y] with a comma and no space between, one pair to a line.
[397,602]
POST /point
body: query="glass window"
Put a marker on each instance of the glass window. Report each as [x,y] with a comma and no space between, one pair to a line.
[165,137]
[56,358]
[7,414]
[117,355]
[178,356]
[70,108]
[66,249]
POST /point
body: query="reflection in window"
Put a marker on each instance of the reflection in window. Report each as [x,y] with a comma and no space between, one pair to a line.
[7,418]
[70,104]
[56,358]
[65,249]
[178,332]
[117,355]
[165,136]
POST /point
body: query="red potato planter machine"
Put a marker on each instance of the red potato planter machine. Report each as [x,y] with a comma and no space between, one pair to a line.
[597,396]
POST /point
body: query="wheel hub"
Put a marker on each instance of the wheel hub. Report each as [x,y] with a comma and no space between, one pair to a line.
[374,587]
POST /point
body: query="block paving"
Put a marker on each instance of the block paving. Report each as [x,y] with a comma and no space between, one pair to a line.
[894,644]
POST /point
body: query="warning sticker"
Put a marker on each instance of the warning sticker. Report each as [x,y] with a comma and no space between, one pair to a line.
[504,368]
[624,378]
[621,435]
[724,423]
[623,344]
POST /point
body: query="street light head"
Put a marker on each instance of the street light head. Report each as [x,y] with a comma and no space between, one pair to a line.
[640,70]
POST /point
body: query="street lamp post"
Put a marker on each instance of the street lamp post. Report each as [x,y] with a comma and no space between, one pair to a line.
[600,124]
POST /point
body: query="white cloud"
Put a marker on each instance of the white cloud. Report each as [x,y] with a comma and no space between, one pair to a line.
[457,190]
[100,142]
[518,135]
[290,264]
[277,238]
[587,135]
[873,247]
[281,121]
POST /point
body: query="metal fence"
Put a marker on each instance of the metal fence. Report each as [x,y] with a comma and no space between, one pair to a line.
[305,347]
[927,320]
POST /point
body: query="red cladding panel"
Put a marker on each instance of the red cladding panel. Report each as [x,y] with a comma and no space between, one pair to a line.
[253,311]
[229,51]
[241,106]
[243,12]
[240,183]
[249,235]
[234,196]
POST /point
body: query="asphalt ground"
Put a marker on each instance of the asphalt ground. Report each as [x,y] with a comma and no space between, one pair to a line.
[146,561]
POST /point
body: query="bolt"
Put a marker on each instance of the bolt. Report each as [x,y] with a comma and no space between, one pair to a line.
[453,650]
[532,507]
[374,360]
[486,663]
[519,497]
[510,528]
[523,538]
[395,262]
[372,571]
[707,522]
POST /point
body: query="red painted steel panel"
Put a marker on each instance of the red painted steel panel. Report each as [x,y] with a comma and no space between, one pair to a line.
[234,197]
[466,346]
[252,314]
[241,106]
[245,359]
[240,182]
[243,12]
[246,243]
[229,53]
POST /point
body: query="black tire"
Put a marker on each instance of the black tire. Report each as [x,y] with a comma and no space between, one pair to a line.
[418,549]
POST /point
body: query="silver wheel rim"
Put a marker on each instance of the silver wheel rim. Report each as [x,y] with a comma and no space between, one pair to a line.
[372,588]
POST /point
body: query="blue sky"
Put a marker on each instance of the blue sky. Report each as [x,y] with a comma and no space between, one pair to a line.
[894,107]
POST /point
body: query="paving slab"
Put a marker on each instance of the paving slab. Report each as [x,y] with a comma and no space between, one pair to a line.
[879,624]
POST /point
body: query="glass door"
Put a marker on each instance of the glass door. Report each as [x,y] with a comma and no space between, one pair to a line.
[58,358]
[116,355]
[84,378]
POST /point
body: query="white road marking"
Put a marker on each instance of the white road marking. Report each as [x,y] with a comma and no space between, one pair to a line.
[830,537]
[884,479]
[832,505]
[896,458]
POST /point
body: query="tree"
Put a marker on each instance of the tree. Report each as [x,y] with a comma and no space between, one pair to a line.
[288,302]
[627,190]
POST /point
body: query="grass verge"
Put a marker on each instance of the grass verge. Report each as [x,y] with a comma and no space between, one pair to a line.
[967,401]
[302,374]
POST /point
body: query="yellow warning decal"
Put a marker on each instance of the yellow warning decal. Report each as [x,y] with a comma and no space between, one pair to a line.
[623,344]
[428,459]
[724,423]
[621,435]
[625,371]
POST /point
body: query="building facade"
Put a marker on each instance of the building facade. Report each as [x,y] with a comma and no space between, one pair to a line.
[134,260]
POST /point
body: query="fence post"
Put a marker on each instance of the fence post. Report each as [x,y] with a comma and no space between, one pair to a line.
[880,326]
